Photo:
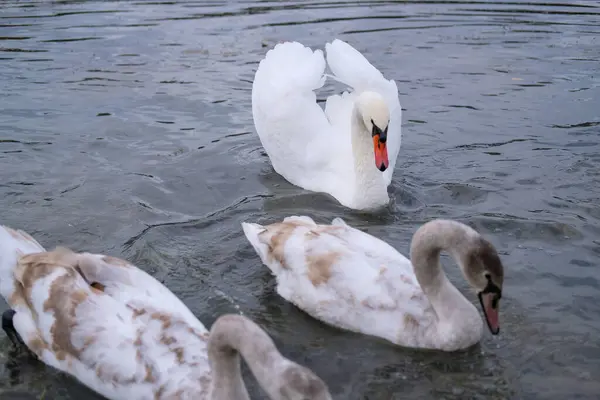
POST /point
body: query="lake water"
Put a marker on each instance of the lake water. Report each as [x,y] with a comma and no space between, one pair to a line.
[126,128]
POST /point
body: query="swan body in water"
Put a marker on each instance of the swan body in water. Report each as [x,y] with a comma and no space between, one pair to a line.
[123,334]
[348,150]
[352,280]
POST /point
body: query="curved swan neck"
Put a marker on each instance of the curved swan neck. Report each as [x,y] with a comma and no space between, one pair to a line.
[230,336]
[368,179]
[426,246]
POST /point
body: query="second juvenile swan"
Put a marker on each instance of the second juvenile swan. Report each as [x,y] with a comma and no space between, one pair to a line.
[352,280]
[123,334]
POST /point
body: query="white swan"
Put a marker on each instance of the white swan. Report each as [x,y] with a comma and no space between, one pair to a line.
[123,334]
[352,280]
[348,151]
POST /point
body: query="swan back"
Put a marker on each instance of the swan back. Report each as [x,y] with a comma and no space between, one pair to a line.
[346,278]
[125,336]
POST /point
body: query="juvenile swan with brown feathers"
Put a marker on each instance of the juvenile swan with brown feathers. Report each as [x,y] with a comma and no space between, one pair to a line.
[120,332]
[352,280]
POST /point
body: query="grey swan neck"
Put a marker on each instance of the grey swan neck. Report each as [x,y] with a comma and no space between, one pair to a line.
[230,337]
[457,317]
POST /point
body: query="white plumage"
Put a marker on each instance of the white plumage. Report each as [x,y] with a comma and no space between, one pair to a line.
[316,149]
[126,336]
[352,280]
[133,339]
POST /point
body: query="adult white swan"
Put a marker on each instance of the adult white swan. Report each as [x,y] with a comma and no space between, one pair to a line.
[126,336]
[352,280]
[348,151]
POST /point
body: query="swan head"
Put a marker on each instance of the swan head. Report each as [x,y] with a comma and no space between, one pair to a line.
[376,118]
[485,273]
[300,383]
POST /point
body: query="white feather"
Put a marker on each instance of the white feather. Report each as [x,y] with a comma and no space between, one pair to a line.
[135,340]
[123,334]
[355,281]
[310,147]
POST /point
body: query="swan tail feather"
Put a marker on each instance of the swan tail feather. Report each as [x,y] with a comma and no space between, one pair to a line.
[253,233]
[14,244]
[337,221]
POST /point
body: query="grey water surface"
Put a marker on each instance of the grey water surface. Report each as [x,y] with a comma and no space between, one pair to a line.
[126,128]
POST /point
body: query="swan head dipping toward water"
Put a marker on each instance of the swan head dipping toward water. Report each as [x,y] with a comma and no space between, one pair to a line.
[375,116]
[485,273]
[477,258]
[282,379]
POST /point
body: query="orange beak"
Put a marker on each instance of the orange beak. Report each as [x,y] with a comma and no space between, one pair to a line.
[381,155]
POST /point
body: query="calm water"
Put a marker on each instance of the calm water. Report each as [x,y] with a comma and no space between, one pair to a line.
[126,128]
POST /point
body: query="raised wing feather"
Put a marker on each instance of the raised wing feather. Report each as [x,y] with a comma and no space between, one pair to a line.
[350,67]
[292,127]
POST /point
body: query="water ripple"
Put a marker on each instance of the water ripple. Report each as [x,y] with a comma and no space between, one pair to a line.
[127,128]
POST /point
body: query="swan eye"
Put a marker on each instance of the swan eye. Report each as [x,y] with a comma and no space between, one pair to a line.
[491,287]
[495,301]
[378,132]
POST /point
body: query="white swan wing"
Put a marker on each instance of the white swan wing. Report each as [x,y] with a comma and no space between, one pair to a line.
[293,129]
[350,67]
[343,277]
[132,339]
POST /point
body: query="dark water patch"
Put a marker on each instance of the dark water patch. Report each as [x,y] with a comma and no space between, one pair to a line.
[419,27]
[106,71]
[177,82]
[463,106]
[331,20]
[83,39]
[93,78]
[528,11]
[36,60]
[531,84]
[131,64]
[579,125]
[63,14]
[488,145]
[16,50]
[100,26]
[15,25]
[453,193]
[15,37]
